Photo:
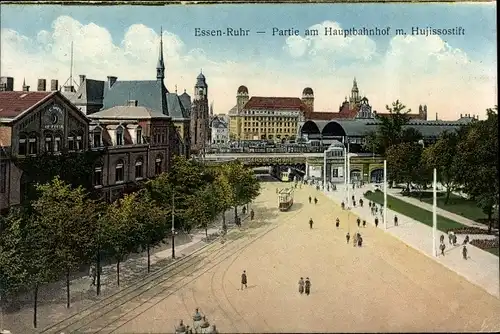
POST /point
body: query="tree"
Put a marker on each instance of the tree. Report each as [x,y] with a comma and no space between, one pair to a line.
[202,207]
[120,235]
[443,156]
[404,164]
[152,225]
[478,171]
[223,194]
[66,211]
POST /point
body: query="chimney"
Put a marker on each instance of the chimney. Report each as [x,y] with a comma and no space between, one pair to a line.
[42,85]
[460,115]
[111,81]
[82,78]
[436,116]
[132,103]
[7,84]
[54,85]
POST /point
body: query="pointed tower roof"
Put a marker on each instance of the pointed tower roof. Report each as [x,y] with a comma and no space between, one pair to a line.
[355,86]
[160,66]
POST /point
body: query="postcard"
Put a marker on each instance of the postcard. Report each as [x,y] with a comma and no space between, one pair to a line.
[249,168]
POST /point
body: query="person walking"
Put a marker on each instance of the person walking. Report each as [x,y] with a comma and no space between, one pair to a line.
[454,239]
[361,202]
[93,273]
[354,203]
[337,222]
[244,280]
[466,240]
[355,240]
[310,199]
[442,247]
[464,252]
[450,236]
[315,200]
[252,214]
[376,221]
[311,223]
[441,239]
[301,285]
[360,241]
[308,286]
[342,205]
[347,237]
[364,223]
[358,221]
[395,220]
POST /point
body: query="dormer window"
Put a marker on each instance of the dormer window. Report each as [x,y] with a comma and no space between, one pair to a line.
[138,135]
[119,136]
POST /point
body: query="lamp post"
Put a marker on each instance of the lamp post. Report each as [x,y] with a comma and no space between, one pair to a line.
[173,226]
[434,212]
[324,169]
[385,194]
[98,256]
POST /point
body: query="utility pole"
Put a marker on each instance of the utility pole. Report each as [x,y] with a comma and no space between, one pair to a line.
[173,226]
[98,260]
[385,194]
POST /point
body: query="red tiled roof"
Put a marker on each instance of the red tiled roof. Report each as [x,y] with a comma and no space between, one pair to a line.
[260,102]
[14,103]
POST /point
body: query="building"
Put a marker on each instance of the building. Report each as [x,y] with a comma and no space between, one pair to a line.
[219,131]
[200,118]
[265,118]
[34,123]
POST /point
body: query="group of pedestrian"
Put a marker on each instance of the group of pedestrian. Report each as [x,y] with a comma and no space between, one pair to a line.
[452,239]
[305,286]
[357,240]
[311,199]
[358,221]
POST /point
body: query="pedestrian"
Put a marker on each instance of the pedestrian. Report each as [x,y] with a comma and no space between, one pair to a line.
[353,198]
[244,280]
[450,236]
[244,210]
[355,240]
[364,223]
[311,223]
[308,286]
[310,199]
[376,221]
[442,247]
[252,214]
[315,200]
[376,209]
[358,221]
[93,274]
[353,203]
[464,252]
[370,204]
[342,205]
[360,241]
[361,202]
[466,240]
[301,285]
[395,220]
[441,239]
[337,222]
[347,237]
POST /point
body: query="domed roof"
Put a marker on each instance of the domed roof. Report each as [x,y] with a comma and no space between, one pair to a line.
[307,91]
[242,90]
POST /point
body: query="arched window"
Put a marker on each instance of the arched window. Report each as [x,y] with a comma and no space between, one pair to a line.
[119,171]
[57,142]
[158,164]
[33,144]
[49,142]
[23,144]
[139,169]
[119,136]
[97,177]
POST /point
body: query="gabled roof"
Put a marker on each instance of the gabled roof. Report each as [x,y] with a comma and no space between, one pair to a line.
[12,104]
[218,123]
[260,102]
[148,93]
[127,112]
[185,100]
[175,107]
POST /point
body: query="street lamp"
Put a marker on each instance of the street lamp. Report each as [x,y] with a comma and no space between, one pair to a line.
[173,226]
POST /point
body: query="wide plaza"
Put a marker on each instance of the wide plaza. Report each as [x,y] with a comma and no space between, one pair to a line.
[384,286]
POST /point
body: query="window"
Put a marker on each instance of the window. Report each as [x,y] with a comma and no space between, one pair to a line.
[158,163]
[138,169]
[3,178]
[97,138]
[138,134]
[335,172]
[119,136]
[119,174]
[49,143]
[32,144]
[71,143]
[57,142]
[22,149]
[79,145]
[98,176]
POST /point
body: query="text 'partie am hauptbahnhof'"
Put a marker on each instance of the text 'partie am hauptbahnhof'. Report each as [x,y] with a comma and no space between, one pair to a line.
[331,31]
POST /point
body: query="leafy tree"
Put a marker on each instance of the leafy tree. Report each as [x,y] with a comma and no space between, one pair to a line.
[478,171]
[403,163]
[222,192]
[66,211]
[202,207]
[152,225]
[443,156]
[119,233]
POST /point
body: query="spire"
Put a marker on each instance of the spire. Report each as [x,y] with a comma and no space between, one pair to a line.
[355,85]
[24,82]
[160,66]
[175,89]
[212,108]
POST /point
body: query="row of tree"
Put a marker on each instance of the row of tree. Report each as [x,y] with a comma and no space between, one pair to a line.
[65,228]
[466,159]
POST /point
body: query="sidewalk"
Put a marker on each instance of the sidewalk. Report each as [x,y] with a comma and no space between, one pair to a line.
[450,215]
[481,268]
[52,297]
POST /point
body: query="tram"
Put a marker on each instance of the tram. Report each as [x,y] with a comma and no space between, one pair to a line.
[285,198]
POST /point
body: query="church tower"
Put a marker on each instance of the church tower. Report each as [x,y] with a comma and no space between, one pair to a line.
[354,100]
[160,66]
[241,97]
[200,117]
[308,99]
